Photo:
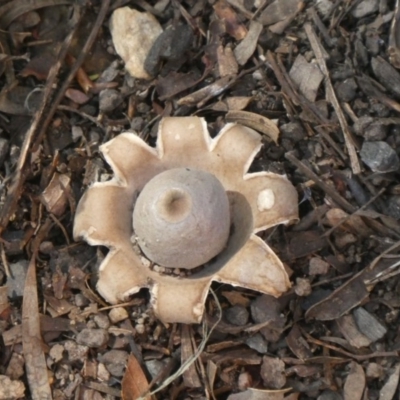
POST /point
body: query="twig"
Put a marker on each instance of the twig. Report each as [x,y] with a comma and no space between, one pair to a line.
[5,262]
[329,231]
[326,188]
[331,96]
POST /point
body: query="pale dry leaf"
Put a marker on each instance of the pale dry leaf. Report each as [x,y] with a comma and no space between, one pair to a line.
[355,383]
[254,121]
[35,362]
[389,388]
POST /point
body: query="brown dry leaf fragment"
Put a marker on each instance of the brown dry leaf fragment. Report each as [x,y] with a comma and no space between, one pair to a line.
[227,64]
[348,296]
[389,388]
[353,223]
[298,344]
[245,49]
[176,82]
[393,42]
[349,330]
[235,103]
[236,298]
[254,121]
[203,95]
[134,382]
[278,11]
[307,77]
[77,96]
[190,376]
[54,197]
[355,383]
[233,26]
[4,305]
[35,362]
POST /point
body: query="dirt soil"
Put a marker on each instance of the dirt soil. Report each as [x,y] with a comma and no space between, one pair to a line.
[326,73]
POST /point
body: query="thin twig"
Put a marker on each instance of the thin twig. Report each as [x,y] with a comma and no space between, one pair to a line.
[318,181]
[331,97]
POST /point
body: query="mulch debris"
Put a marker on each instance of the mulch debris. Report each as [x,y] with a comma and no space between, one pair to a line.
[320,81]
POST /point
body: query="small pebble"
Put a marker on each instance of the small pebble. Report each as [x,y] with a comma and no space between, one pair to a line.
[102,321]
[56,352]
[102,373]
[81,300]
[109,100]
[318,266]
[9,389]
[375,132]
[16,282]
[393,207]
[257,343]
[75,351]
[154,367]
[346,90]
[303,287]
[140,329]
[115,361]
[118,314]
[379,156]
[236,315]
[4,146]
[92,337]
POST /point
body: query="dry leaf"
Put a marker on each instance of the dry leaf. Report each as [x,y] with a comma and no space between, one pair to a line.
[355,383]
[55,197]
[134,382]
[389,388]
[254,121]
[233,26]
[35,362]
[245,49]
[190,376]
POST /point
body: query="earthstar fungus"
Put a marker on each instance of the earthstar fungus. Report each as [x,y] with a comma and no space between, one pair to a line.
[189,202]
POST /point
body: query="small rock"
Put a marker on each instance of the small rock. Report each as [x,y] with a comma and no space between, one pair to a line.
[273,372]
[75,351]
[346,90]
[375,132]
[133,35]
[102,321]
[374,371]
[244,381]
[318,266]
[154,367]
[379,156]
[115,361]
[368,324]
[237,315]
[365,7]
[257,343]
[92,337]
[102,373]
[15,369]
[56,352]
[16,282]
[4,146]
[303,287]
[109,100]
[10,390]
[343,239]
[393,207]
[293,131]
[81,300]
[118,314]
[362,123]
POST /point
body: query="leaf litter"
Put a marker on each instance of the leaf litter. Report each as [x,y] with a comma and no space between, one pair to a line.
[290,70]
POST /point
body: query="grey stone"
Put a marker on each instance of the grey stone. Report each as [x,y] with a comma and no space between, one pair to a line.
[365,7]
[115,361]
[362,123]
[76,352]
[4,146]
[102,321]
[329,395]
[379,156]
[375,132]
[154,367]
[109,100]
[92,337]
[293,131]
[393,207]
[16,282]
[257,343]
[346,90]
[237,315]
